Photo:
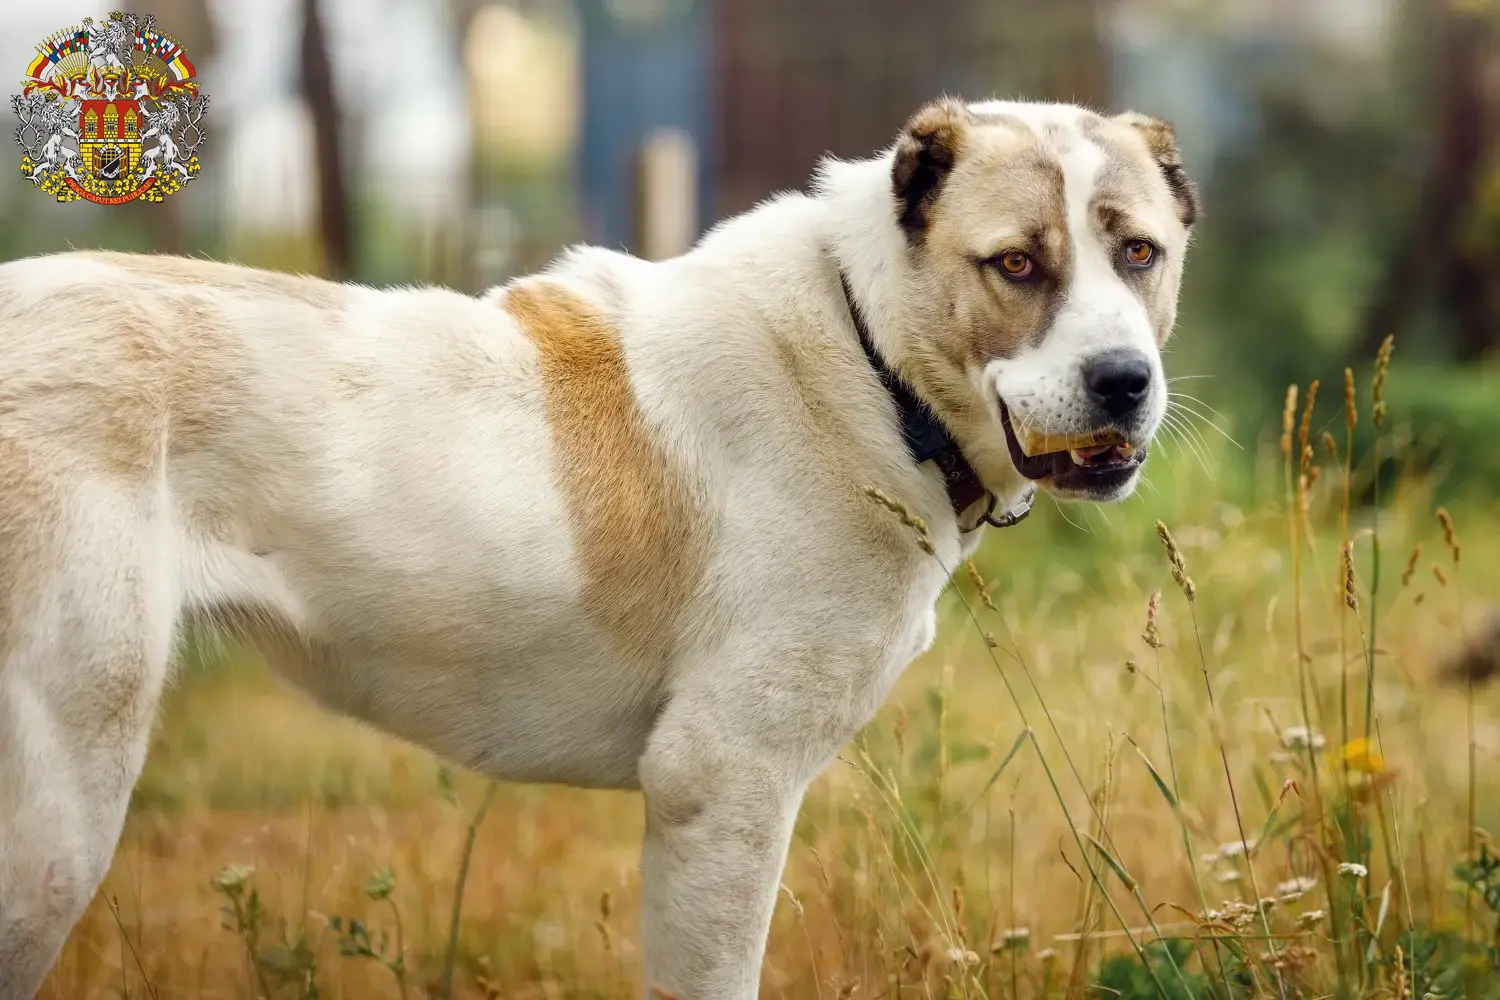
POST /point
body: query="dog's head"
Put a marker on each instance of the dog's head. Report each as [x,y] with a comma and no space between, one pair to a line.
[1045,246]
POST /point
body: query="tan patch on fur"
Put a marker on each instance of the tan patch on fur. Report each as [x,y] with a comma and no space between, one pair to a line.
[1161,145]
[1005,193]
[1142,192]
[637,529]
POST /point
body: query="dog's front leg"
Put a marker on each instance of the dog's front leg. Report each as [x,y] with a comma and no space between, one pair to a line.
[719,813]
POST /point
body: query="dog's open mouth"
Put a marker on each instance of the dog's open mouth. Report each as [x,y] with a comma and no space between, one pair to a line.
[1096,463]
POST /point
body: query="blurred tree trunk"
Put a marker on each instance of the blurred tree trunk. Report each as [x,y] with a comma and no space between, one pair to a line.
[318,90]
[1439,263]
[187,21]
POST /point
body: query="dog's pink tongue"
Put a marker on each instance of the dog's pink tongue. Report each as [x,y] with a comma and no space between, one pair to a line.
[1096,450]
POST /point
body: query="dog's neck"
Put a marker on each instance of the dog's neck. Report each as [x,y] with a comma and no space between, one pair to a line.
[870,252]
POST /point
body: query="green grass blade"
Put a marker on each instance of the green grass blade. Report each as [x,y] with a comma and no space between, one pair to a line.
[1015,748]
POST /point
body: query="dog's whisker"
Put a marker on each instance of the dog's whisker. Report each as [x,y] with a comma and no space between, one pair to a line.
[1189,439]
[1192,416]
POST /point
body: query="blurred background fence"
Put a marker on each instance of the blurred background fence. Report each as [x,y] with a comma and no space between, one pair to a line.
[1347,149]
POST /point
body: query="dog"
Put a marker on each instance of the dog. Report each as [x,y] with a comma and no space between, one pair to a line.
[618,524]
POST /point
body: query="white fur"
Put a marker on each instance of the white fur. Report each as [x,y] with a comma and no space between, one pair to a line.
[383,481]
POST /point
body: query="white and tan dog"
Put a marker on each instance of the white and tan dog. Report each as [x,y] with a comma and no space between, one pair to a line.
[607,525]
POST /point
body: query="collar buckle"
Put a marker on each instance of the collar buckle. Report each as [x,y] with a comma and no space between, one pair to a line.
[1012,517]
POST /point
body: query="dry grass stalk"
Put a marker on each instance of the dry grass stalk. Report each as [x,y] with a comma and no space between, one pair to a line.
[1350,595]
[1377,386]
[1351,413]
[1288,420]
[906,514]
[1411,564]
[606,934]
[1450,533]
[1305,430]
[1178,564]
[1330,445]
[978,581]
[1153,608]
[1442,578]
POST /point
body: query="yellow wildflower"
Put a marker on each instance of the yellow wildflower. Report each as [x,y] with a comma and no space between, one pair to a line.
[1360,755]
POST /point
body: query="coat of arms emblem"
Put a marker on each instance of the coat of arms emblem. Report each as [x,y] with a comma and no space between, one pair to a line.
[110,112]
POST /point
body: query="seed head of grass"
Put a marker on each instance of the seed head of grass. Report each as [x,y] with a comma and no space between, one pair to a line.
[1330,446]
[1306,429]
[907,516]
[1411,564]
[1377,387]
[1288,419]
[1351,413]
[978,581]
[1450,533]
[1153,609]
[1351,596]
[1437,572]
[1174,558]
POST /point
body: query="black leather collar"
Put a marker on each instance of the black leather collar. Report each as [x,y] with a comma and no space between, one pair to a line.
[928,439]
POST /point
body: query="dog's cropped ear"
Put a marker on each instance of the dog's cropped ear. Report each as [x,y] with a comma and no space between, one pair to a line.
[1163,146]
[928,147]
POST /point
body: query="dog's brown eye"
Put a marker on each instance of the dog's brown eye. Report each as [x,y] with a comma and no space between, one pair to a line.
[1140,253]
[1016,265]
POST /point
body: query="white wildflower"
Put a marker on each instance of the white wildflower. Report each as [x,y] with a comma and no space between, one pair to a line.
[1014,937]
[1234,913]
[961,957]
[1294,889]
[1229,876]
[1235,848]
[1353,869]
[1302,738]
[1310,917]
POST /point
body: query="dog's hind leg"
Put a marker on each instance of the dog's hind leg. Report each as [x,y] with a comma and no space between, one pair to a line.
[87,611]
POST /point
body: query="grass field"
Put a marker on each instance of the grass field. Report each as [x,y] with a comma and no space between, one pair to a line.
[952,850]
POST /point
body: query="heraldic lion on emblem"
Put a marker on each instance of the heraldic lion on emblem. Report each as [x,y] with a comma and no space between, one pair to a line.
[110,112]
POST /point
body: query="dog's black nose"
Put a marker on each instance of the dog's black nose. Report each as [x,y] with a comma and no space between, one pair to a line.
[1118,381]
